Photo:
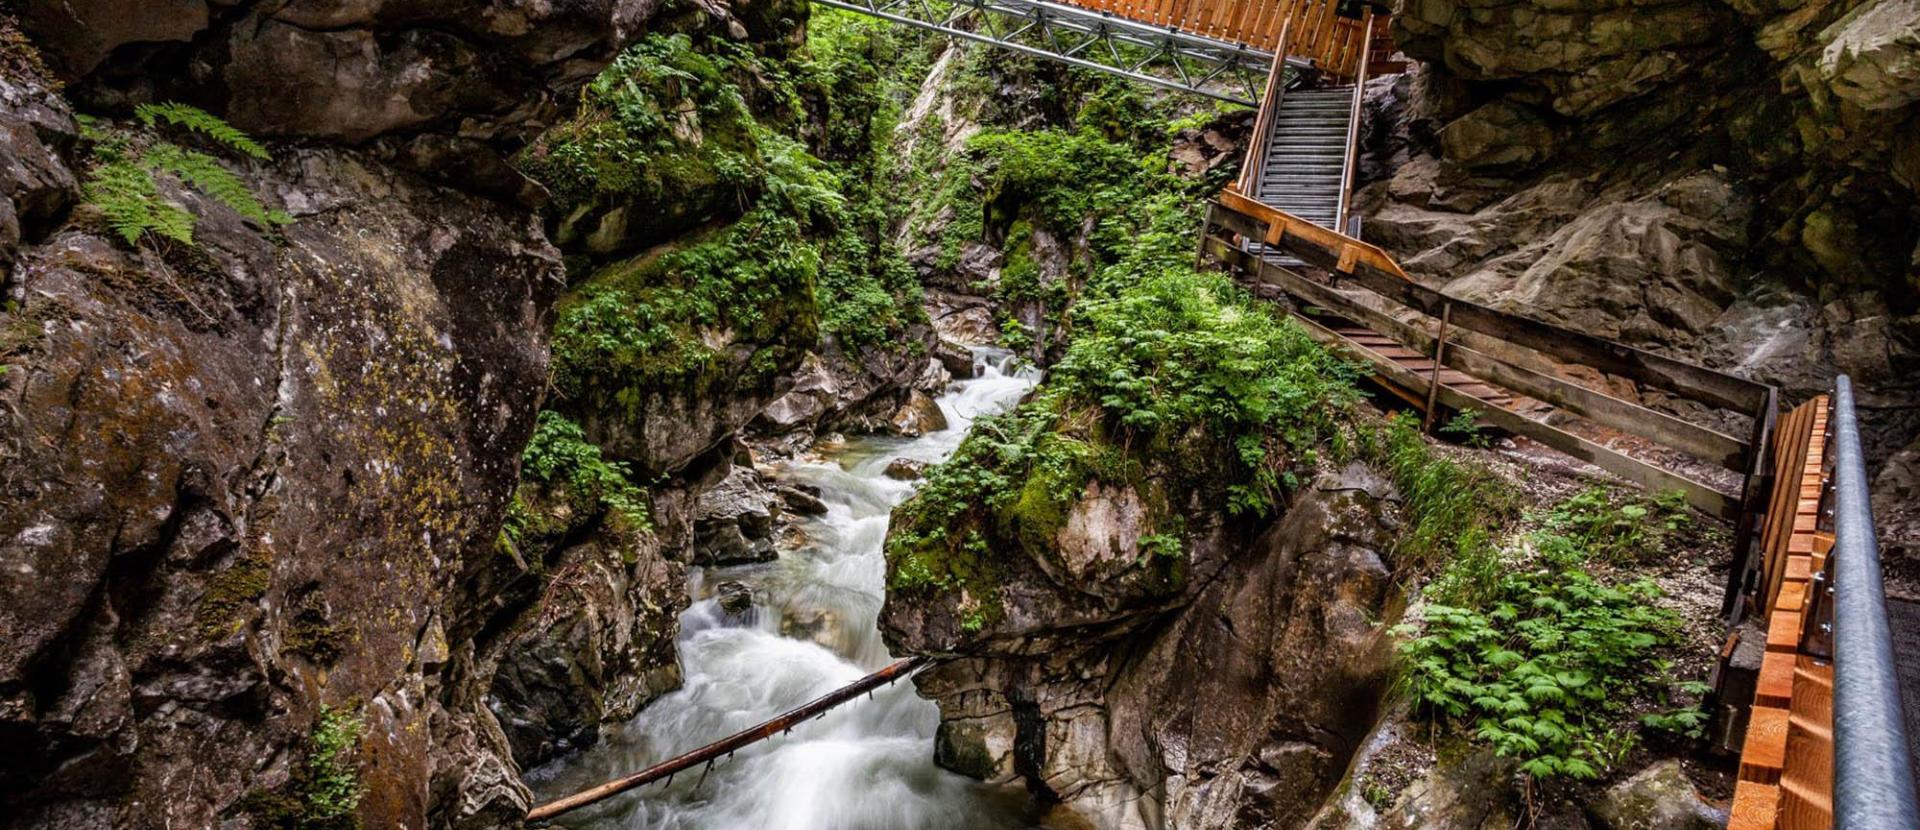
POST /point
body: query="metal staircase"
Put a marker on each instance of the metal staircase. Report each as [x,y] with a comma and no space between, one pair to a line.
[1306,155]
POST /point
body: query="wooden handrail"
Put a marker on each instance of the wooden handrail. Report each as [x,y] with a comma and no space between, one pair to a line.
[1310,242]
[1262,123]
[1376,271]
[1353,123]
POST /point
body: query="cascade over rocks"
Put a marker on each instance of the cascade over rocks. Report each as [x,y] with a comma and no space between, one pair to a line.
[262,477]
[1233,700]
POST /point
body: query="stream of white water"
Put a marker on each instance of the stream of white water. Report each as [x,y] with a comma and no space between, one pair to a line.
[813,628]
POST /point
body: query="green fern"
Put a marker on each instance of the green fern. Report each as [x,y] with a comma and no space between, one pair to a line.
[123,186]
[204,173]
[202,122]
[125,192]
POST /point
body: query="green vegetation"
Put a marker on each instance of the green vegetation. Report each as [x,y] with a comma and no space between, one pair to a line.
[803,247]
[325,790]
[560,457]
[1542,658]
[124,183]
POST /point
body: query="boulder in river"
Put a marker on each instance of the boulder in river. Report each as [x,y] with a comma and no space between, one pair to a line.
[734,596]
[918,416]
[733,524]
[906,469]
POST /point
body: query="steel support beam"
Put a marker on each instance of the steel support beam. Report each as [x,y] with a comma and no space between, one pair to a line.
[1098,41]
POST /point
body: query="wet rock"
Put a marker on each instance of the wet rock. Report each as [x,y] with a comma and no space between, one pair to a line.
[301,448]
[803,499]
[1239,704]
[601,647]
[957,359]
[906,469]
[1871,58]
[1657,798]
[821,626]
[734,522]
[918,416]
[735,597]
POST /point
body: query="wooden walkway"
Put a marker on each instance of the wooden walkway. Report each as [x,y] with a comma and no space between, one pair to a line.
[1786,763]
[1442,354]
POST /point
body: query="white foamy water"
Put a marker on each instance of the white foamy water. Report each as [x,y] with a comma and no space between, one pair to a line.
[865,766]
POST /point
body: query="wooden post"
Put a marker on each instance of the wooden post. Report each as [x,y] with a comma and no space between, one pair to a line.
[1353,125]
[1756,493]
[1439,356]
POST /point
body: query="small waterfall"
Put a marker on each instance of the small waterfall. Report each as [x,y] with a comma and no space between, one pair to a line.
[813,628]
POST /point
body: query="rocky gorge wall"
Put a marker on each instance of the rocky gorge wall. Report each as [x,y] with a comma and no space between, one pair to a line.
[268,558]
[1732,183]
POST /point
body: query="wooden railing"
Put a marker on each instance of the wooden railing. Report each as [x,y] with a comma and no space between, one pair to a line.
[1505,349]
[1333,43]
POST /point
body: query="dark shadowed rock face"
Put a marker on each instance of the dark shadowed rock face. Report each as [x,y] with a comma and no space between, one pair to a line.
[1236,705]
[250,478]
[253,477]
[443,87]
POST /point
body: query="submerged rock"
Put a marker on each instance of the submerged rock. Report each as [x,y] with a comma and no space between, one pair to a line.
[906,469]
[734,597]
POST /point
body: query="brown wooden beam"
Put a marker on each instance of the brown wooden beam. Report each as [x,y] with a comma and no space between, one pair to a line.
[730,744]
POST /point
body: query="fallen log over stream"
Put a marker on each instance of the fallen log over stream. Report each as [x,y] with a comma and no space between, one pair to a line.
[728,745]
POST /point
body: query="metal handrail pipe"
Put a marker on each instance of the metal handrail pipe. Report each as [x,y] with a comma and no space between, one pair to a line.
[1873,774]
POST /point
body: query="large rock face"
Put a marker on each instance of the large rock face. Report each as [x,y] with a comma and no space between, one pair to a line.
[1731,183]
[1234,703]
[253,477]
[261,477]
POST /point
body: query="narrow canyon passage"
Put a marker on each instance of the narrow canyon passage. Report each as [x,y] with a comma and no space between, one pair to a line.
[812,629]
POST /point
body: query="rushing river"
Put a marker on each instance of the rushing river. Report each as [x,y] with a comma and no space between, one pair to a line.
[865,766]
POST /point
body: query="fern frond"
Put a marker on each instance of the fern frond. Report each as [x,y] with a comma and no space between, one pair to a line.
[200,121]
[126,194]
[205,174]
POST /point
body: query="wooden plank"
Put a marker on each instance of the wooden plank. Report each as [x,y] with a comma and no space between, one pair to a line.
[1653,478]
[1756,806]
[1765,752]
[1775,685]
[1806,782]
[1377,271]
[1606,410]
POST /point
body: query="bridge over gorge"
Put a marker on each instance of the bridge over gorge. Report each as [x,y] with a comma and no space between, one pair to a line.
[1807,686]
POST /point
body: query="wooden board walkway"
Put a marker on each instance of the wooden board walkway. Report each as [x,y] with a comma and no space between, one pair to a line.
[1786,763]
[1442,353]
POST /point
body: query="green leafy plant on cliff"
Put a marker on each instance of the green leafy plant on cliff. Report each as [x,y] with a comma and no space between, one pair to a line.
[129,165]
[324,790]
[560,454]
[1541,659]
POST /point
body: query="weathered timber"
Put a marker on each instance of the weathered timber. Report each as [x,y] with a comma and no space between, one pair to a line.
[1701,496]
[1377,272]
[1595,406]
[732,743]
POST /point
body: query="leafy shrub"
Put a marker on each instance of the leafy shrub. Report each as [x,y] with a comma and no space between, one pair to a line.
[559,454]
[1546,669]
[123,187]
[333,787]
[1540,658]
[1617,529]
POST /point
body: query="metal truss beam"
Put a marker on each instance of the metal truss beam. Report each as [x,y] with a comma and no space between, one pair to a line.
[1099,41]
